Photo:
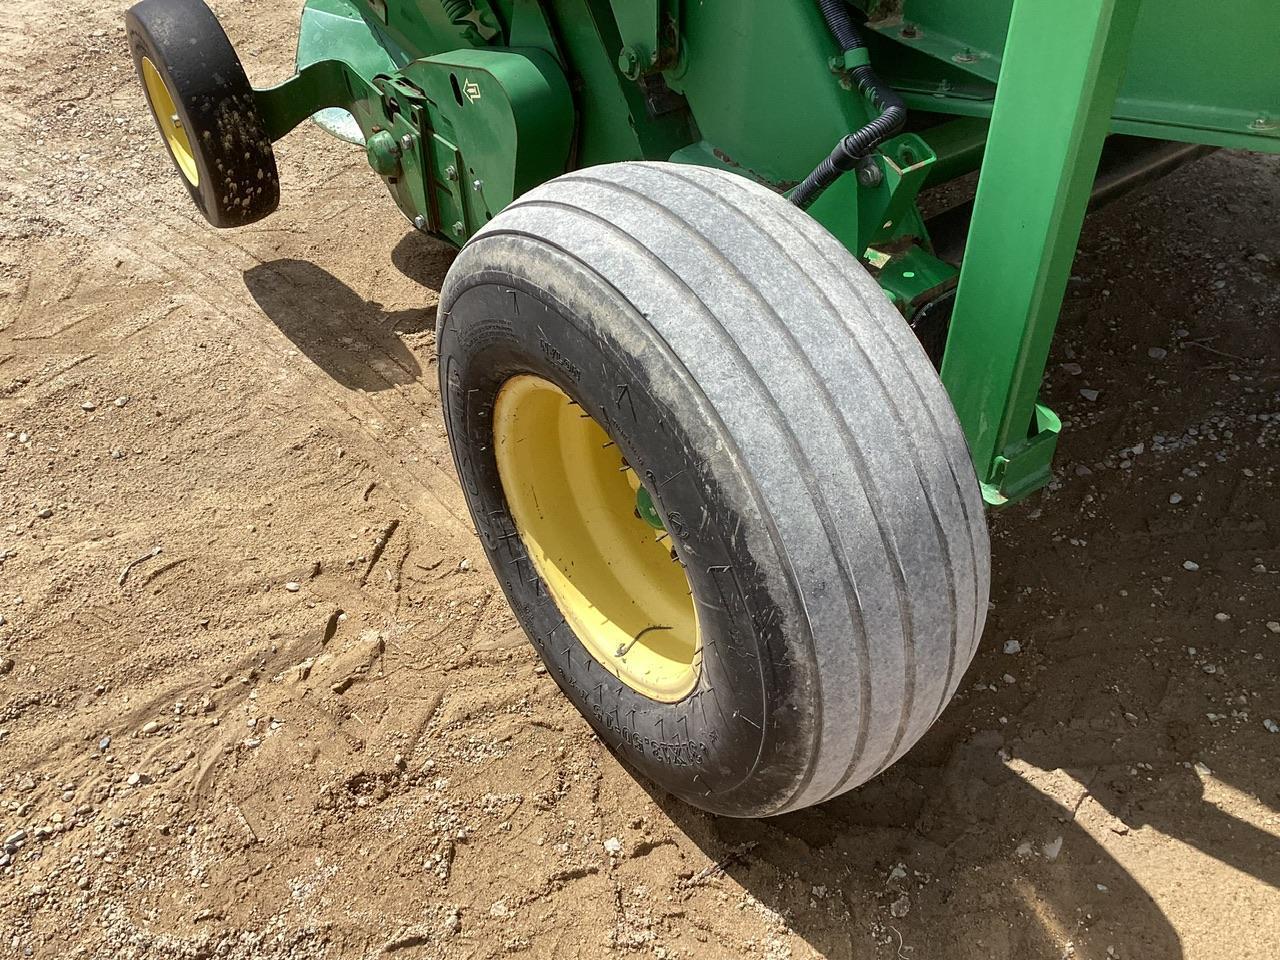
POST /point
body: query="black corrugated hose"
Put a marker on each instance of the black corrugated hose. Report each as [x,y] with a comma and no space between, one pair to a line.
[853,147]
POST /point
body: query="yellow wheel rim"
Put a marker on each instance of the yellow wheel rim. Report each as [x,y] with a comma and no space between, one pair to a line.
[166,112]
[611,574]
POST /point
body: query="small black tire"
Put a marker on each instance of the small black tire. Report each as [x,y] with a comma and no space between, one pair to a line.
[795,439]
[204,109]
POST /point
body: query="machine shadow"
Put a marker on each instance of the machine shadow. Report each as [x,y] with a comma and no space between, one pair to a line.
[351,339]
[423,259]
[914,862]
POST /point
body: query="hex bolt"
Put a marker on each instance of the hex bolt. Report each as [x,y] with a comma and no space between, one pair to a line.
[629,63]
[458,227]
[477,185]
[451,172]
[869,173]
[406,142]
[420,222]
[1263,122]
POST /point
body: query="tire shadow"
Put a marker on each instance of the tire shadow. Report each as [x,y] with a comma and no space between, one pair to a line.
[353,340]
[951,846]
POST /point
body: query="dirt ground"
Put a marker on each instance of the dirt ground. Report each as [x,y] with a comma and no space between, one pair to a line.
[307,725]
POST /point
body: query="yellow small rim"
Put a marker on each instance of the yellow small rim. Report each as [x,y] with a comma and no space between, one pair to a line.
[612,575]
[171,127]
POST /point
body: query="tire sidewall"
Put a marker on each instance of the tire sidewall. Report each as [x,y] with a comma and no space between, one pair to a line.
[216,104]
[740,743]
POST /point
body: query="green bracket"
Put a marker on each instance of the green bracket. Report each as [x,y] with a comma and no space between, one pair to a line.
[649,41]
[325,83]
[1041,156]
[1026,466]
[910,275]
[861,215]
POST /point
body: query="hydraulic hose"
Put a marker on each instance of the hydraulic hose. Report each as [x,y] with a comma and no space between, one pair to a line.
[853,147]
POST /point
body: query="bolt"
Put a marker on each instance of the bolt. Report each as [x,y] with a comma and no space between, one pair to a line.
[869,173]
[629,62]
[458,228]
[477,185]
[451,172]
[965,56]
[420,222]
[406,142]
[910,31]
[1263,123]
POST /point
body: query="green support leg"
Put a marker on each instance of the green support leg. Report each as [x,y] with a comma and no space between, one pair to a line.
[1062,67]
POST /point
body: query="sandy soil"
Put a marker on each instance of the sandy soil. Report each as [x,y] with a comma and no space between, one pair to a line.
[198,761]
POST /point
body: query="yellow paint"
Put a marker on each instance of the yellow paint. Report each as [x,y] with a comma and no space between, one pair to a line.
[610,573]
[171,128]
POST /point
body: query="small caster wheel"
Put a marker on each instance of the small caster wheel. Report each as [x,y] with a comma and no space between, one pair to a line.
[205,109]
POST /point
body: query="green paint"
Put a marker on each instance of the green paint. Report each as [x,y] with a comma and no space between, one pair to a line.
[646,509]
[1041,154]
[466,104]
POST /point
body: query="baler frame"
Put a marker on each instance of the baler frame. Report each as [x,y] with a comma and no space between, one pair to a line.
[1059,76]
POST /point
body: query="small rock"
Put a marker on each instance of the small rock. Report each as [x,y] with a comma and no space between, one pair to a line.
[1271,725]
[1157,353]
[150,727]
[1190,565]
[499,909]
[251,743]
[1201,769]
[135,780]
[1222,617]
[900,907]
[6,665]
[293,586]
[88,406]
[1175,498]
[1090,395]
[1012,646]
[1023,850]
[1273,626]
[1074,369]
[1052,848]
[120,401]
[613,846]
[452,921]
[44,514]
[465,565]
[1102,887]
[104,744]
[1010,678]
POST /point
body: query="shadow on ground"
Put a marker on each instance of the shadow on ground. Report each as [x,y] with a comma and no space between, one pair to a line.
[1128,720]
[355,341]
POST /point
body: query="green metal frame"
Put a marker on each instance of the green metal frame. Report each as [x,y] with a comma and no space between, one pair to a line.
[464,104]
[1041,154]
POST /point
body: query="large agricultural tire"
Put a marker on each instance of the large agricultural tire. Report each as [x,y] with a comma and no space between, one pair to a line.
[718,479]
[205,110]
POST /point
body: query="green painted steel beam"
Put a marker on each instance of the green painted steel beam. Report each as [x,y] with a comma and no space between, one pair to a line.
[1062,66]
